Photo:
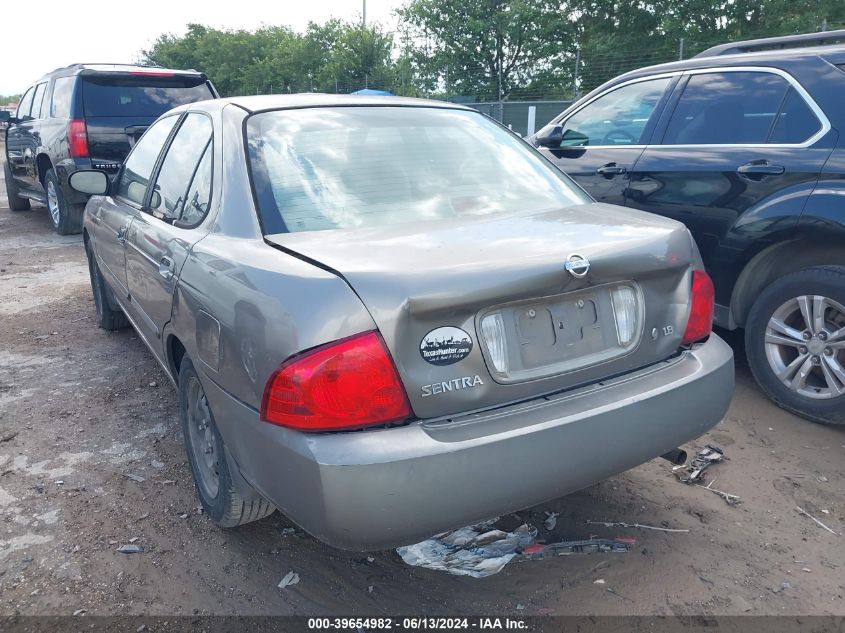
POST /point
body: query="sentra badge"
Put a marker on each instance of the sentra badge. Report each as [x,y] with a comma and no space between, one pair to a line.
[456,384]
[445,346]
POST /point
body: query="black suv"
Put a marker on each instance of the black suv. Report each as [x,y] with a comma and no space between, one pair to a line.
[741,143]
[85,116]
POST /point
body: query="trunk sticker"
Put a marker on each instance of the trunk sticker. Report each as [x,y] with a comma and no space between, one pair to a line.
[445,346]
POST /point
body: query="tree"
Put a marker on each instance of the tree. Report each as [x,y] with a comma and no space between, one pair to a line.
[484,47]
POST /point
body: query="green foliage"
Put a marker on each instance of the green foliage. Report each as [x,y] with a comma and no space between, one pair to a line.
[6,99]
[483,49]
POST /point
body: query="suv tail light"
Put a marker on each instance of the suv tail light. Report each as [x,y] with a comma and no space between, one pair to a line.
[346,384]
[702,299]
[77,135]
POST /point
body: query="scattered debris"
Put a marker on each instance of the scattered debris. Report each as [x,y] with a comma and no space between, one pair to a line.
[133,539]
[157,464]
[153,384]
[783,587]
[600,581]
[730,499]
[80,612]
[551,520]
[475,550]
[706,457]
[370,589]
[807,514]
[130,549]
[520,607]
[134,477]
[634,525]
[143,516]
[288,531]
[7,434]
[806,569]
[183,516]
[167,481]
[586,546]
[291,578]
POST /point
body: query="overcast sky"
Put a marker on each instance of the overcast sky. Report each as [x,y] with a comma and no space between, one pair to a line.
[69,32]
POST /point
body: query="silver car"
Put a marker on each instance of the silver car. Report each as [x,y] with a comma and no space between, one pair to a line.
[391,317]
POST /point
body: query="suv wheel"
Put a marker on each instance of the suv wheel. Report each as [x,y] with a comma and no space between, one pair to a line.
[16,203]
[66,217]
[226,498]
[795,342]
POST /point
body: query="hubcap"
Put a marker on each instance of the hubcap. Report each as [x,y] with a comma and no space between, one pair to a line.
[53,202]
[203,441]
[805,346]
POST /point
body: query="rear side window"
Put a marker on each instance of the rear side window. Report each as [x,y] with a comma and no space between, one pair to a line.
[796,122]
[726,108]
[179,166]
[62,93]
[140,95]
[25,105]
[139,166]
[198,199]
[37,100]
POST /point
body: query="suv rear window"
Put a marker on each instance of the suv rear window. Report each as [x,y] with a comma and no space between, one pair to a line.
[352,167]
[140,95]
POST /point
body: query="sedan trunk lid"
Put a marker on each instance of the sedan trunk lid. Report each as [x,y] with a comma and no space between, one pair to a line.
[430,287]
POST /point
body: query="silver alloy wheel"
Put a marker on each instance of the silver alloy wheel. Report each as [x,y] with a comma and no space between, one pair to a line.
[53,202]
[203,441]
[805,346]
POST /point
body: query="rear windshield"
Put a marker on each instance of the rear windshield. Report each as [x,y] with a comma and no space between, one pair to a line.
[141,95]
[352,167]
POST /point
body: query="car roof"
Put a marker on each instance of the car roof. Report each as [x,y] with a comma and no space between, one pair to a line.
[756,58]
[94,68]
[260,103]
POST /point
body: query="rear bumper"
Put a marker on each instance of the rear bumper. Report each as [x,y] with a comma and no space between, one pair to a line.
[383,488]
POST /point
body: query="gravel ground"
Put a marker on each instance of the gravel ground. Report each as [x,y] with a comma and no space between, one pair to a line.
[90,408]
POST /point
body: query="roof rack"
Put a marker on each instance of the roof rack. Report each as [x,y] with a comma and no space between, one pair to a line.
[775,43]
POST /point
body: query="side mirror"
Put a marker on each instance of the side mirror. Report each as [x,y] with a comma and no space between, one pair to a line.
[155,200]
[91,182]
[551,137]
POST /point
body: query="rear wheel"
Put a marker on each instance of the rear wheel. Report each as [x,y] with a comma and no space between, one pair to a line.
[795,342]
[226,498]
[66,217]
[16,203]
[109,315]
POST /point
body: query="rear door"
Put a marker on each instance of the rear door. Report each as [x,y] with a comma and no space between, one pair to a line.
[603,139]
[30,139]
[736,157]
[162,234]
[118,108]
[111,215]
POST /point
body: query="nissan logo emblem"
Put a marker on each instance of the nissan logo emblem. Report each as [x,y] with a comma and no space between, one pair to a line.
[577,265]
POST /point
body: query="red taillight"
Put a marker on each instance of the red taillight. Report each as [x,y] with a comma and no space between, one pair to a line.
[702,299]
[77,135]
[345,384]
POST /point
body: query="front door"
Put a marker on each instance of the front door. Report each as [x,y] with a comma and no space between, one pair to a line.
[603,139]
[110,220]
[16,144]
[161,236]
[736,159]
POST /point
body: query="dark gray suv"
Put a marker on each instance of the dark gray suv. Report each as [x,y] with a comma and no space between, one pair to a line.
[85,116]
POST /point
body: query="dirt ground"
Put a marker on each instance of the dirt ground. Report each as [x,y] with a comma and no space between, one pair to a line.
[91,407]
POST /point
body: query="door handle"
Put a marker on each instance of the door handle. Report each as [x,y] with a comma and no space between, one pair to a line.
[611,169]
[761,168]
[121,234]
[166,268]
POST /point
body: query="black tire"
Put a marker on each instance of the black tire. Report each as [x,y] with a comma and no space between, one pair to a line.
[109,314]
[16,203]
[226,498]
[817,356]
[65,217]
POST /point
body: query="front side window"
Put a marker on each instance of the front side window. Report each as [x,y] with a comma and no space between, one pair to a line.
[140,163]
[616,118]
[37,99]
[25,105]
[180,163]
[62,93]
[352,167]
[724,108]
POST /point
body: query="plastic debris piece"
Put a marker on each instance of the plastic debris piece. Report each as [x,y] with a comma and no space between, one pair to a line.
[475,550]
[134,477]
[291,578]
[586,546]
[551,520]
[130,549]
[600,581]
[706,457]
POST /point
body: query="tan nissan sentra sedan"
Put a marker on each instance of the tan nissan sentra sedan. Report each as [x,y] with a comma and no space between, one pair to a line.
[391,317]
